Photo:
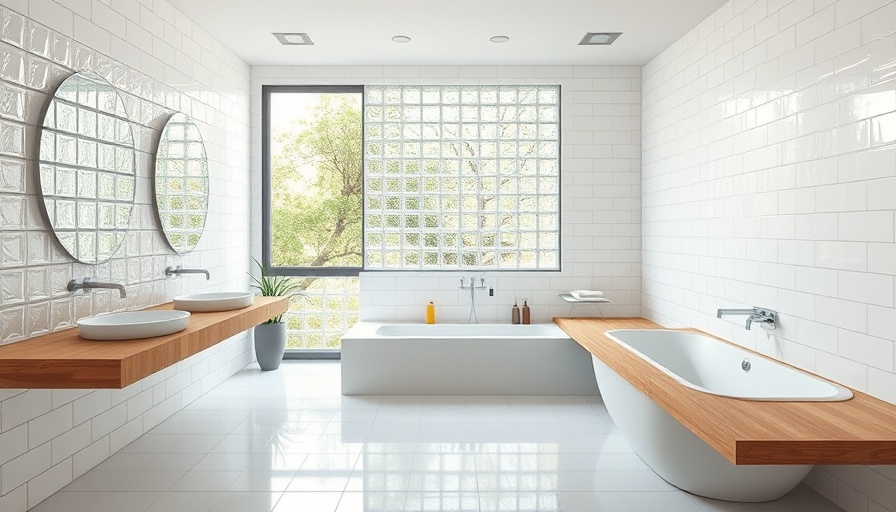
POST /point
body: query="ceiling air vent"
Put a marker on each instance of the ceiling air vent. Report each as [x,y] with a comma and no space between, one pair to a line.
[599,38]
[293,38]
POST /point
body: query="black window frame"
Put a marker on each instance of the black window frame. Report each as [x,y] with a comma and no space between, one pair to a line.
[266,209]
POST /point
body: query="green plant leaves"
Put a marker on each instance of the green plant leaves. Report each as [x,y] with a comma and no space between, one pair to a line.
[273,286]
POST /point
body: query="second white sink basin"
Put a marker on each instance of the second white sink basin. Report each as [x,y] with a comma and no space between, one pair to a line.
[133,325]
[221,301]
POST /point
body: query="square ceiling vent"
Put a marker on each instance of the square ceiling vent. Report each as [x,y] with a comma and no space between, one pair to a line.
[293,38]
[599,38]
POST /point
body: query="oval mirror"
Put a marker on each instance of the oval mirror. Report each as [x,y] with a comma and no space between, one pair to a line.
[181,183]
[87,167]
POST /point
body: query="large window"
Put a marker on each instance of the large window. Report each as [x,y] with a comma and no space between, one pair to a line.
[312,206]
[404,178]
[462,177]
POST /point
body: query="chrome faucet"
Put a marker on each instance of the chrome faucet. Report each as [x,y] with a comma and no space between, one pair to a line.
[87,284]
[473,318]
[172,271]
[473,285]
[765,317]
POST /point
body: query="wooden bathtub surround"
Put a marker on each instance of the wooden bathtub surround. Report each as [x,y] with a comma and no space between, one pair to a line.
[861,430]
[63,360]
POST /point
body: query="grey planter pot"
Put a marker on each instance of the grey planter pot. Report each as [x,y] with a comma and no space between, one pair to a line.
[270,345]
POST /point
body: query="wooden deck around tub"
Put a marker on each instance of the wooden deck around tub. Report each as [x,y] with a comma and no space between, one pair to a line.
[861,430]
[63,360]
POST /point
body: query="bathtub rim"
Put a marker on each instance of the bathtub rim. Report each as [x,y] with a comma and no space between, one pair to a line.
[367,330]
[843,393]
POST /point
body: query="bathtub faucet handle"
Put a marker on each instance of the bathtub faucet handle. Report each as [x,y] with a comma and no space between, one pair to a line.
[764,317]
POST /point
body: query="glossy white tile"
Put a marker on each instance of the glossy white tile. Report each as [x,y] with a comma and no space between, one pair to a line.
[205,481]
[372,501]
[185,502]
[538,468]
[123,461]
[317,501]
[131,480]
[805,214]
[69,501]
[53,39]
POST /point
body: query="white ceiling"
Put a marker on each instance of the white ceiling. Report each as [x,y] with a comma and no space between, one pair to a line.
[447,32]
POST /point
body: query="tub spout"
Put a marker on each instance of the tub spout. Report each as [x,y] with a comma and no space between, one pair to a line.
[722,312]
[767,318]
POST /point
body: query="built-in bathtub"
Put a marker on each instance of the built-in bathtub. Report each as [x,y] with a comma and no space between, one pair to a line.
[469,359]
[709,366]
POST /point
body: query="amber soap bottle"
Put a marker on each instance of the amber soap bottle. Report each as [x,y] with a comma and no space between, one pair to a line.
[430,313]
[527,318]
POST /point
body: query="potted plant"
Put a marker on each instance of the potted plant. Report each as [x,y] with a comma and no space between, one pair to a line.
[270,337]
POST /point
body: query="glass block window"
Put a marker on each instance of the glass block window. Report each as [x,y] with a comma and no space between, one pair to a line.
[462,177]
[326,308]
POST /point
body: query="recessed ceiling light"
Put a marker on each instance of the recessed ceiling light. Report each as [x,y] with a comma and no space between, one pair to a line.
[499,39]
[293,38]
[401,39]
[599,38]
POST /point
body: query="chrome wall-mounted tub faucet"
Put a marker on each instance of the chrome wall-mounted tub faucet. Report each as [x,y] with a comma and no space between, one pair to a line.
[765,317]
[473,318]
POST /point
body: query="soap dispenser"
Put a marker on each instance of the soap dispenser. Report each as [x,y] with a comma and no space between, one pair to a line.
[515,314]
[527,318]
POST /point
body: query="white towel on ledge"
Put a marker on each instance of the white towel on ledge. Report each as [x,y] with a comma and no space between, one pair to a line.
[586,294]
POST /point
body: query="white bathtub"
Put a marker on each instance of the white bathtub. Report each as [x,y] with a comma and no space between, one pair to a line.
[707,365]
[468,359]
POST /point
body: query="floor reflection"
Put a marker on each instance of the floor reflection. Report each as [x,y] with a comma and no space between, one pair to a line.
[287,441]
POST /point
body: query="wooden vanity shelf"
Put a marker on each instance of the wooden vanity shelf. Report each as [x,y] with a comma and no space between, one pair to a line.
[861,430]
[63,360]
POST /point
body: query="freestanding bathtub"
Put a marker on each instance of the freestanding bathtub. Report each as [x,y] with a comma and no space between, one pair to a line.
[469,359]
[709,366]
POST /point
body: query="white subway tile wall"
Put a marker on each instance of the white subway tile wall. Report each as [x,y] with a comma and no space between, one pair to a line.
[600,193]
[162,63]
[768,179]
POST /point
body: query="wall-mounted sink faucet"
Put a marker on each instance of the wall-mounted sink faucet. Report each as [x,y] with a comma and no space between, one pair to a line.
[87,284]
[172,271]
[765,317]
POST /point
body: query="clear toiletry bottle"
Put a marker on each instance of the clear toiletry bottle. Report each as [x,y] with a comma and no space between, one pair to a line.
[515,314]
[527,318]
[430,313]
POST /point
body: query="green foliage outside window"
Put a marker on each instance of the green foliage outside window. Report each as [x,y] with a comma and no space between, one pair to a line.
[316,210]
[316,188]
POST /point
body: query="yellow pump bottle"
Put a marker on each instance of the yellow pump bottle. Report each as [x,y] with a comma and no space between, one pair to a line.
[430,313]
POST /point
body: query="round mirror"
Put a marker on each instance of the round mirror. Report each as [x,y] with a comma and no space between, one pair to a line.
[87,167]
[181,183]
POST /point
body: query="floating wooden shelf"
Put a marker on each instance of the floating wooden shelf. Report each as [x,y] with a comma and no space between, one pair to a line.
[861,430]
[63,360]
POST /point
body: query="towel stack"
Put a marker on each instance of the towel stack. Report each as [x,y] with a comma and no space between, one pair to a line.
[587,294]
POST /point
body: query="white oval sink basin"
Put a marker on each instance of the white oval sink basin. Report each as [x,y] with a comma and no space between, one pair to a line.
[133,325]
[221,301]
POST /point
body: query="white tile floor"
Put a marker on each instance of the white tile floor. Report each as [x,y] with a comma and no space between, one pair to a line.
[287,441]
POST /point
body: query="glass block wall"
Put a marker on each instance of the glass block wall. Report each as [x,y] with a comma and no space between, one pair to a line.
[462,177]
[326,308]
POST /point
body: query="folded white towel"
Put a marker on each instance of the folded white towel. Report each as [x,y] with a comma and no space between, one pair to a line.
[586,294]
